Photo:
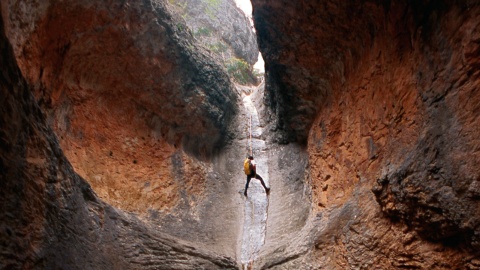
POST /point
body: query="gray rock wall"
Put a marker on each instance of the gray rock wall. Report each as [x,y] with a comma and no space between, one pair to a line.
[220,23]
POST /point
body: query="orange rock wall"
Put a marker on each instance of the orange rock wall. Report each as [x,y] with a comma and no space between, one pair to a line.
[385,97]
[50,218]
[127,91]
[370,121]
[409,102]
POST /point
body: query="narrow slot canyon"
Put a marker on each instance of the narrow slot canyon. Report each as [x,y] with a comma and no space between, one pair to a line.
[256,203]
[125,125]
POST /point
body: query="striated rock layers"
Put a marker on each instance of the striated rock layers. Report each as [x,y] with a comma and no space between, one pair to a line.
[384,96]
[49,216]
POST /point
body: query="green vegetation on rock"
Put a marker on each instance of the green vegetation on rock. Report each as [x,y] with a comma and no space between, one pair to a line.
[239,70]
[213,3]
[218,47]
[211,8]
[203,31]
[206,19]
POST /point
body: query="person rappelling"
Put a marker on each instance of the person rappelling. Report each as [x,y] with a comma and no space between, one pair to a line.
[250,169]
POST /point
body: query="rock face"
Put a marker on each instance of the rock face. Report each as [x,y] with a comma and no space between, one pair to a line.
[374,104]
[221,26]
[139,109]
[80,52]
[127,91]
[224,30]
[50,217]
[384,96]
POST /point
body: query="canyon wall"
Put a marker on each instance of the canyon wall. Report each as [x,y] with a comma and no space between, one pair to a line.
[139,109]
[221,26]
[224,30]
[371,123]
[50,217]
[383,96]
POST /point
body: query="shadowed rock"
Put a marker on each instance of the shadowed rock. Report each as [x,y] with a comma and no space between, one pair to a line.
[378,90]
[128,91]
[50,217]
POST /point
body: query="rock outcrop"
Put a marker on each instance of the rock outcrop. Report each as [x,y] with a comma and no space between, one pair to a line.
[50,217]
[139,109]
[383,94]
[221,26]
[224,30]
[369,138]
[132,58]
[127,91]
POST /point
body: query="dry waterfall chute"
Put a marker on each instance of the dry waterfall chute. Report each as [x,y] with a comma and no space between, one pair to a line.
[256,204]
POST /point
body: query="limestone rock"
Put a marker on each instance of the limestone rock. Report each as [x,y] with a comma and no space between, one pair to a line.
[384,96]
[128,92]
[224,30]
[138,107]
[50,218]
[221,26]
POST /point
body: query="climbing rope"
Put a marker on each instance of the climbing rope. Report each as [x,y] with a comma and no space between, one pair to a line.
[250,248]
[251,148]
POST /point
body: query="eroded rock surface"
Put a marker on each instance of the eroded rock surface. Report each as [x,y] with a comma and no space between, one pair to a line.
[127,91]
[122,57]
[224,30]
[50,218]
[376,100]
[221,26]
[139,109]
[384,95]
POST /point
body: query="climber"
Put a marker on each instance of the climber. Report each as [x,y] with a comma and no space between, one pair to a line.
[250,169]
